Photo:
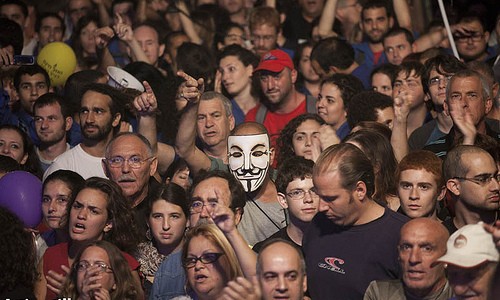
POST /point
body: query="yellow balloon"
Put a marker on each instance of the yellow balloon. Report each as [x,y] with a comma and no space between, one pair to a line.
[59,60]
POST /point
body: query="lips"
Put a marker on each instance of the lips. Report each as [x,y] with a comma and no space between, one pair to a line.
[200,278]
[78,228]
[210,133]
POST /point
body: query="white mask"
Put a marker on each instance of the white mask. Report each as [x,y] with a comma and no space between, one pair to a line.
[249,157]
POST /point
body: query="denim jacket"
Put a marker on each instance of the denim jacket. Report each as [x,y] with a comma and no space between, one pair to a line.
[170,279]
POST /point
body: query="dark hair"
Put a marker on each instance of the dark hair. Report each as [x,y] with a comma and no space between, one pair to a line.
[73,181]
[454,165]
[75,84]
[126,287]
[30,70]
[21,4]
[285,139]
[124,233]
[375,127]
[387,69]
[17,253]
[118,99]
[363,107]
[292,168]
[351,164]
[372,4]
[45,15]
[53,98]
[76,44]
[197,61]
[238,196]
[177,165]
[8,164]
[11,34]
[333,52]
[397,31]
[443,64]
[264,15]
[223,31]
[296,61]
[171,193]
[379,151]
[408,67]
[32,164]
[349,85]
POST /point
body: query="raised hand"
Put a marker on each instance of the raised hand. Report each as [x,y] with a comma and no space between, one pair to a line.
[328,136]
[102,36]
[123,31]
[463,120]
[242,289]
[56,281]
[191,89]
[146,103]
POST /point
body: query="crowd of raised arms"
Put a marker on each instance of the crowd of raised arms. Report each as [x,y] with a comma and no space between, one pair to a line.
[249,149]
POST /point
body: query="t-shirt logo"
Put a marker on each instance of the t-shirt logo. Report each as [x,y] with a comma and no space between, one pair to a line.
[269,56]
[460,242]
[333,264]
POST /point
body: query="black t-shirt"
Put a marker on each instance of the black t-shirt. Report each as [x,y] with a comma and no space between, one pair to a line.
[281,234]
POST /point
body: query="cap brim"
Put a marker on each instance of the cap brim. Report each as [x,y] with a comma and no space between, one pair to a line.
[469,261]
[275,68]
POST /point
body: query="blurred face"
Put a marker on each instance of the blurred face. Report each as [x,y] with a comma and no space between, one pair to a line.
[305,137]
[264,38]
[125,10]
[473,45]
[88,220]
[213,124]
[206,280]
[471,283]
[181,177]
[14,13]
[330,105]
[385,116]
[249,158]
[92,257]
[437,87]
[305,66]
[56,195]
[87,38]
[418,193]
[171,53]
[232,6]
[30,88]
[168,223]
[149,42]
[281,276]
[50,124]
[50,31]
[412,85]
[311,8]
[419,248]
[78,9]
[301,209]
[208,194]
[477,193]
[235,36]
[337,203]
[468,94]
[133,180]
[236,78]
[96,120]
[11,144]
[396,48]
[375,24]
[277,87]
[382,83]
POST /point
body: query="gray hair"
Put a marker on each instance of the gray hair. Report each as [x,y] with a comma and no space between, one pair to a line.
[228,106]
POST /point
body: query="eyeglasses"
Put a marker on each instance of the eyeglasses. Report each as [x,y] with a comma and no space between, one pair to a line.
[482,179]
[437,81]
[266,38]
[474,36]
[83,266]
[300,194]
[135,162]
[197,206]
[206,258]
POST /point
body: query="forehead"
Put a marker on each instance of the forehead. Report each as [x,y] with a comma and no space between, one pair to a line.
[374,12]
[51,21]
[264,29]
[330,89]
[38,77]
[146,33]
[11,9]
[95,99]
[475,25]
[407,75]
[396,39]
[248,142]
[93,197]
[279,257]
[417,174]
[420,232]
[211,106]
[51,108]
[10,134]
[230,59]
[471,82]
[208,187]
[94,253]
[202,244]
[79,3]
[129,144]
[308,125]
[478,162]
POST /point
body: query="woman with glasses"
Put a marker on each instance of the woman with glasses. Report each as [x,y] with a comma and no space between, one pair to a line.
[167,222]
[99,212]
[209,261]
[100,271]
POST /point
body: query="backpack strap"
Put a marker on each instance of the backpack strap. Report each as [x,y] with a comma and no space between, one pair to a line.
[261,114]
[310,104]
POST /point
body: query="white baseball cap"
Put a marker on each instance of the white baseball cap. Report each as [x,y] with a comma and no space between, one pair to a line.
[470,246]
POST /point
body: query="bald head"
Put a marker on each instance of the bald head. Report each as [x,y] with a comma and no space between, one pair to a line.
[249,128]
[431,226]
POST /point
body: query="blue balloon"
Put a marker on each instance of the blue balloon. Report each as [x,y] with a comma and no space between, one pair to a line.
[21,193]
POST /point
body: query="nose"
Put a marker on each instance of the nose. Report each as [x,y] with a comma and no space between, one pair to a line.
[414,194]
[90,117]
[204,212]
[5,149]
[442,83]
[307,196]
[209,122]
[323,206]
[415,256]
[166,225]
[271,84]
[308,140]
[52,206]
[126,167]
[282,284]
[82,214]
[45,124]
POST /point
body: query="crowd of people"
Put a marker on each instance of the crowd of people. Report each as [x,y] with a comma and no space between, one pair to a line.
[252,149]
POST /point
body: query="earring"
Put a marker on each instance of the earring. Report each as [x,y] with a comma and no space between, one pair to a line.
[148,234]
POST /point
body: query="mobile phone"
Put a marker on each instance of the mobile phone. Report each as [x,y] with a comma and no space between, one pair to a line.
[24,60]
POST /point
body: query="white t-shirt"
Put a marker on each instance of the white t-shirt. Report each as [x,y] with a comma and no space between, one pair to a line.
[79,161]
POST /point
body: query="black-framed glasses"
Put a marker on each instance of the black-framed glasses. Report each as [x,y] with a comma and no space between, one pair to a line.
[135,162]
[300,194]
[84,265]
[482,179]
[206,258]
[474,36]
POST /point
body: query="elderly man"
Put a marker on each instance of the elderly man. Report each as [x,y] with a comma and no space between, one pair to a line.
[472,178]
[422,242]
[343,246]
[471,259]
